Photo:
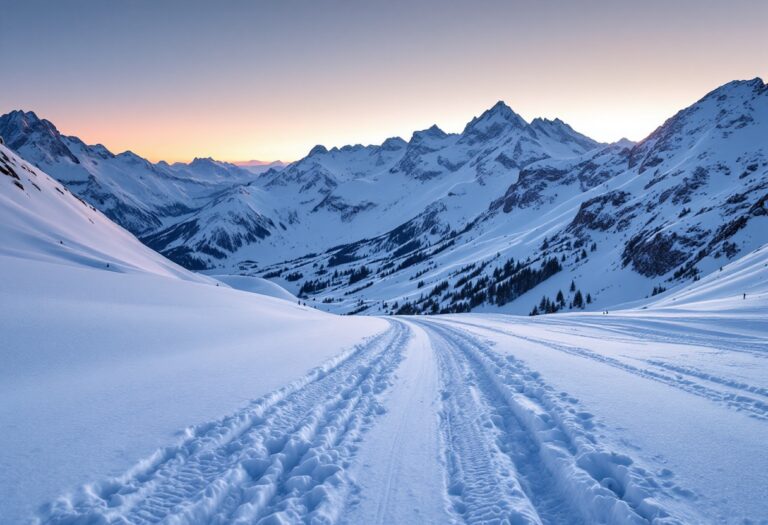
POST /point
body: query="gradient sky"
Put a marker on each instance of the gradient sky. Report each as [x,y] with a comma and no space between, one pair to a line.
[241,80]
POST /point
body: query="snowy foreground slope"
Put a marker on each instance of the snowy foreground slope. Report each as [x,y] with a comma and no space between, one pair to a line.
[642,416]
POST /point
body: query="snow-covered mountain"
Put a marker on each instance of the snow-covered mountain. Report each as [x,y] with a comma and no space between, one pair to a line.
[260,166]
[342,195]
[522,217]
[616,223]
[42,220]
[135,193]
[98,328]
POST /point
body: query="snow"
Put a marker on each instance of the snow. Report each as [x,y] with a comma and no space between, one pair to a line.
[102,368]
[42,220]
[640,416]
[208,393]
[698,183]
[256,285]
[686,407]
[725,289]
[694,191]
[398,466]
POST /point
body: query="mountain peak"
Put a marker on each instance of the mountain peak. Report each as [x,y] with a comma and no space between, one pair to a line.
[728,109]
[393,144]
[501,108]
[492,123]
[433,132]
[318,150]
[21,120]
[503,111]
[25,130]
[546,121]
[738,88]
[20,114]
[202,161]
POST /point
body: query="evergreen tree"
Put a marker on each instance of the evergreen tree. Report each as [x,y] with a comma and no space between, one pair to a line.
[578,300]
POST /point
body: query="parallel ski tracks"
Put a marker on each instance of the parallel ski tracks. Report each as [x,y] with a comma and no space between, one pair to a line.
[282,458]
[510,438]
[750,399]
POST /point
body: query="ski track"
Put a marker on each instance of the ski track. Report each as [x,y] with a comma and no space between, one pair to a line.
[518,452]
[666,334]
[740,401]
[513,450]
[281,459]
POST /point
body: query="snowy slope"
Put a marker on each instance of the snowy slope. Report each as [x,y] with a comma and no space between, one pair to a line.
[100,368]
[149,394]
[459,419]
[40,219]
[737,286]
[109,349]
[256,285]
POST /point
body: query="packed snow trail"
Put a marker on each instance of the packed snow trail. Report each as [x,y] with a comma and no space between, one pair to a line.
[399,467]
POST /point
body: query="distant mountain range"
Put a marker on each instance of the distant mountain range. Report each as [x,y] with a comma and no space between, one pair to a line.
[260,166]
[528,217]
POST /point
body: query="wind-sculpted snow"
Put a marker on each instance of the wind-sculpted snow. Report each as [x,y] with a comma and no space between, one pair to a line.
[281,459]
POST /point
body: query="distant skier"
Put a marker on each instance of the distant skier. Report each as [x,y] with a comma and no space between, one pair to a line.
[745,296]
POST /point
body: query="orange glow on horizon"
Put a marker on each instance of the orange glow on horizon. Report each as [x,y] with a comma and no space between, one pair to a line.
[268,81]
[293,137]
